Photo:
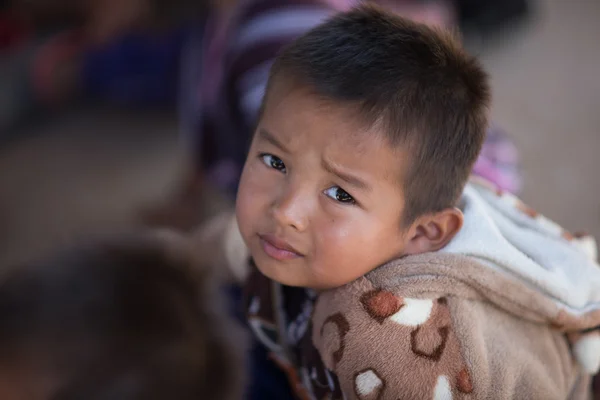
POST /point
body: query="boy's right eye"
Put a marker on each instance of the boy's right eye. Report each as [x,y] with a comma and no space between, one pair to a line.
[274,162]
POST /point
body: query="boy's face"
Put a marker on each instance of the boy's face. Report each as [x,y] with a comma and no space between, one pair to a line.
[320,200]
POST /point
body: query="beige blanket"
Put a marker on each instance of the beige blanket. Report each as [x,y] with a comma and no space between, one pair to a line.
[432,327]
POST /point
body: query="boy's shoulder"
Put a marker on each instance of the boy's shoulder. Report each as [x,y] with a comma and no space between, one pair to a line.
[435,326]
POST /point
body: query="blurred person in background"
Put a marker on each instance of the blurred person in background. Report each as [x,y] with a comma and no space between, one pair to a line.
[225,69]
[125,52]
[126,318]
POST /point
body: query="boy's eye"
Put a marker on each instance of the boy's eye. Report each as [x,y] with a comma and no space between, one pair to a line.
[272,161]
[340,195]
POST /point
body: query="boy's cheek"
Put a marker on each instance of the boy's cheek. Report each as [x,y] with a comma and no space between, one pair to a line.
[258,186]
[248,212]
[336,260]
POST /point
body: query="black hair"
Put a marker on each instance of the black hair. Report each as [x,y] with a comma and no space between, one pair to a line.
[416,82]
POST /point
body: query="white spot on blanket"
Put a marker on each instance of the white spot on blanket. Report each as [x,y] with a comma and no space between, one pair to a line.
[587,352]
[442,389]
[367,383]
[588,245]
[549,225]
[510,199]
[414,312]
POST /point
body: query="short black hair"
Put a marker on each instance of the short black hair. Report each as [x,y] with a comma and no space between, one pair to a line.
[120,319]
[416,81]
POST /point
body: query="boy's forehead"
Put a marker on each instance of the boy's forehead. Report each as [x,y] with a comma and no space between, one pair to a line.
[299,118]
[292,110]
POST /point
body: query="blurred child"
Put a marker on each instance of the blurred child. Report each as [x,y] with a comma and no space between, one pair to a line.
[121,52]
[131,318]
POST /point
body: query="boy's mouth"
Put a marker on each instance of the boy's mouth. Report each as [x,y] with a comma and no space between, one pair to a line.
[278,249]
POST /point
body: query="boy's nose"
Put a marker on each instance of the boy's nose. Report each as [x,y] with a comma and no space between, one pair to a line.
[291,209]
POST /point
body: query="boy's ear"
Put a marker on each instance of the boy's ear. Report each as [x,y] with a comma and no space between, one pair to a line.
[432,232]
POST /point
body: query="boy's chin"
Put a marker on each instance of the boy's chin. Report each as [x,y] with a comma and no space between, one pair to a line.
[296,281]
[273,272]
[280,274]
[290,275]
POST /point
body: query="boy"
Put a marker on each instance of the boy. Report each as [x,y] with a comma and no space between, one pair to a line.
[376,273]
[117,320]
[223,81]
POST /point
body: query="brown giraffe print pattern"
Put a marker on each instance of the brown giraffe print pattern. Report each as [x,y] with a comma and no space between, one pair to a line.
[420,334]
[343,327]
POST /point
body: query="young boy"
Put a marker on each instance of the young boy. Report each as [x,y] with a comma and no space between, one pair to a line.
[126,319]
[376,274]
[224,78]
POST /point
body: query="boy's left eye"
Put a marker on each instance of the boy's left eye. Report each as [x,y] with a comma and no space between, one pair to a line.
[340,195]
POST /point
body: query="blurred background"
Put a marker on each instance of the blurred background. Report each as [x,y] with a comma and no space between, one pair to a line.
[99,102]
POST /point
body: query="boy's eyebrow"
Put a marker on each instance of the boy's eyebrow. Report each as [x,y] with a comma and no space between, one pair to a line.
[348,178]
[269,137]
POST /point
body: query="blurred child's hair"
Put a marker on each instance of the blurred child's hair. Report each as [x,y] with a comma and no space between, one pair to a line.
[414,83]
[121,319]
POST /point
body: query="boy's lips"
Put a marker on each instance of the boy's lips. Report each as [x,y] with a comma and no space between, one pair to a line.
[277,248]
